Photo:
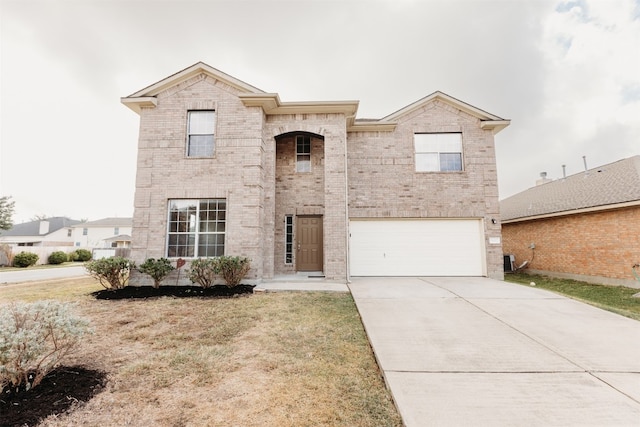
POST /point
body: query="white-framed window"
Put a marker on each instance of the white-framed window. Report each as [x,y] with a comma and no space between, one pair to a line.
[116,231]
[303,153]
[201,126]
[288,239]
[69,232]
[438,152]
[85,231]
[196,228]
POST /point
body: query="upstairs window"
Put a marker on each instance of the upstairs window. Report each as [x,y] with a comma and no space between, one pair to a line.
[200,129]
[116,231]
[438,152]
[303,153]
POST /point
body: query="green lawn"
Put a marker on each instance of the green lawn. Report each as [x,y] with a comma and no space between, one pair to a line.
[618,299]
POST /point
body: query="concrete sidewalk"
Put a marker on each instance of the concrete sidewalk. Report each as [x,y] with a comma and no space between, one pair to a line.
[481,352]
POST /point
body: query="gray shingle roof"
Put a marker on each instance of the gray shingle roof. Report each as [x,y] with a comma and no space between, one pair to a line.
[611,184]
[110,222]
[32,228]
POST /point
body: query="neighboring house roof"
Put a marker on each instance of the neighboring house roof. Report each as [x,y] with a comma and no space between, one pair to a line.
[271,103]
[32,228]
[119,238]
[610,186]
[108,222]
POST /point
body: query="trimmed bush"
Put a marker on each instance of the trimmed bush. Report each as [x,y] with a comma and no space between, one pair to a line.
[34,339]
[233,269]
[25,259]
[158,269]
[83,255]
[112,273]
[72,256]
[203,271]
[58,257]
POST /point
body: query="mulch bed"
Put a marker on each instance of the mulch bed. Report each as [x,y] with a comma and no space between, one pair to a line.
[133,292]
[58,391]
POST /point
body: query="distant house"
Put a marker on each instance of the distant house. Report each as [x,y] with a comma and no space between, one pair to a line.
[306,187]
[41,237]
[103,233]
[585,226]
[56,231]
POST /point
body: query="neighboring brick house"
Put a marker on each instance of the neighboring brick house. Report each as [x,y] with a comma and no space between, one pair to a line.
[225,168]
[585,226]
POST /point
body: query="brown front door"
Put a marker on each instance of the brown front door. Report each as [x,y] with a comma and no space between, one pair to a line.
[309,243]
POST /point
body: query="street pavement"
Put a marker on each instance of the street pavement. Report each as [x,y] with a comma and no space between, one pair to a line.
[29,275]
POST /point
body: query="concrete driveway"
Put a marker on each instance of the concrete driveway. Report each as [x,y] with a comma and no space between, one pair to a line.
[481,352]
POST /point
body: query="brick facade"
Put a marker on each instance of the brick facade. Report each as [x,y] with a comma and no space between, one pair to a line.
[383,182]
[598,247]
[354,174]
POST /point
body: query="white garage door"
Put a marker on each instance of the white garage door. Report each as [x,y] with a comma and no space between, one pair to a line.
[434,247]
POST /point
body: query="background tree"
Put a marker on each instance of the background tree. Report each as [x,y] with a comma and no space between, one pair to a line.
[6,212]
[39,217]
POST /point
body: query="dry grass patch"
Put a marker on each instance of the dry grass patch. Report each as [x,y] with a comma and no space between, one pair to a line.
[274,359]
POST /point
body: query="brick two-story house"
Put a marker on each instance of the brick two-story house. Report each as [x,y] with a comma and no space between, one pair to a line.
[225,168]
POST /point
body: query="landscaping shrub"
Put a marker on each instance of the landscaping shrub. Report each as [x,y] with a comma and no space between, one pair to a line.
[233,269]
[112,273]
[83,255]
[25,259]
[72,256]
[158,269]
[58,257]
[203,271]
[34,338]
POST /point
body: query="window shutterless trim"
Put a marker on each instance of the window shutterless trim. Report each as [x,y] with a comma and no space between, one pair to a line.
[303,153]
[443,154]
[288,239]
[196,228]
[200,140]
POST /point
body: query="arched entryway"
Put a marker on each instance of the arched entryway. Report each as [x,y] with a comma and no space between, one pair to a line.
[299,202]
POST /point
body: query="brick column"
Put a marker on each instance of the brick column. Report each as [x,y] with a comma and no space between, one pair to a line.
[335,197]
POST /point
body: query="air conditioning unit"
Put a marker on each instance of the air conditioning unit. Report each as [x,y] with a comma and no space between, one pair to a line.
[509,263]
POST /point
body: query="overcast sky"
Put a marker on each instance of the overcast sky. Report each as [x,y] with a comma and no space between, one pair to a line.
[567,74]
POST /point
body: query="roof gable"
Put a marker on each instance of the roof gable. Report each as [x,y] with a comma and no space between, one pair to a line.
[488,120]
[272,105]
[606,187]
[147,97]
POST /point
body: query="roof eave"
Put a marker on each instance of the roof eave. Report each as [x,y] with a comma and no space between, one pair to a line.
[494,126]
[381,126]
[574,212]
[271,105]
[137,103]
